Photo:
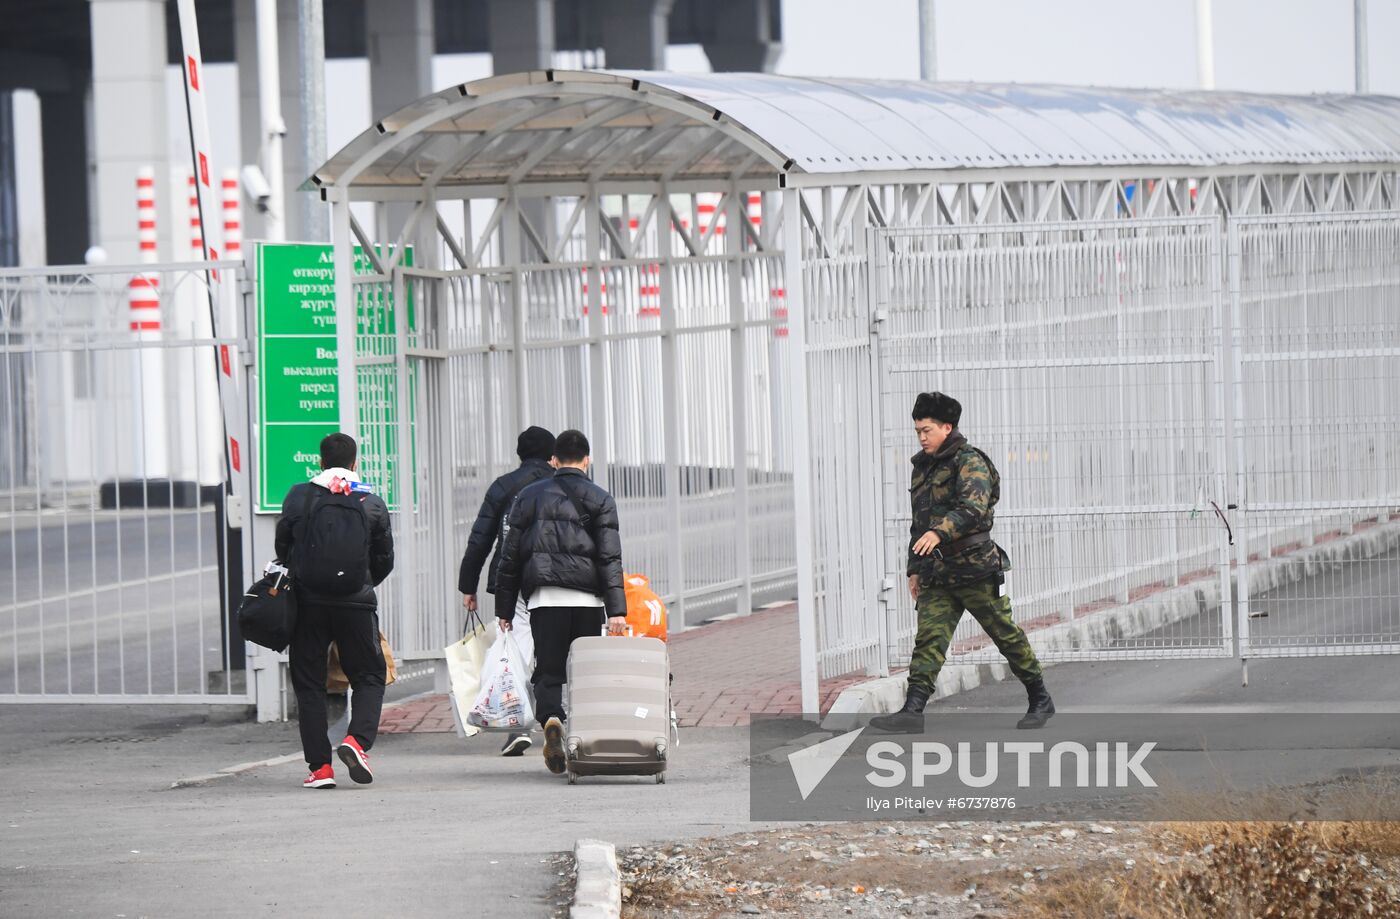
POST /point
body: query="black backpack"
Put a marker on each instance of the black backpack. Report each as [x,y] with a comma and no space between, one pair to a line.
[331,554]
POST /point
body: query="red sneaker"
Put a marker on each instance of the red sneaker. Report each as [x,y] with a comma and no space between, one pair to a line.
[320,778]
[356,760]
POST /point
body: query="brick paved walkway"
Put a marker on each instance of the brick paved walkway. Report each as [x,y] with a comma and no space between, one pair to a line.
[724,672]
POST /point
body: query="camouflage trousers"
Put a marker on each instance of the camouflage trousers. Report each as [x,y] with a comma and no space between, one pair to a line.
[939,610]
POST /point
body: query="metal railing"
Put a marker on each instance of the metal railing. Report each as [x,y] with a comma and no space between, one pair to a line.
[1168,413]
[665,334]
[112,488]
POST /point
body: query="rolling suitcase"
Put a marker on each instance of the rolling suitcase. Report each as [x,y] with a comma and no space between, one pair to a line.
[619,707]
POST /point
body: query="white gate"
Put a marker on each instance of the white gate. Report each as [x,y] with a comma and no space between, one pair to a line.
[1315,303]
[113,505]
[1087,357]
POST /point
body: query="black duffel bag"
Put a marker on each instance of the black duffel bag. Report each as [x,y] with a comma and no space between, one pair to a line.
[268,613]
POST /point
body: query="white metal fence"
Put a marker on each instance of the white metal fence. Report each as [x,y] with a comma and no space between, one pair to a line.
[112,489]
[1316,317]
[674,381]
[1149,389]
[1096,362]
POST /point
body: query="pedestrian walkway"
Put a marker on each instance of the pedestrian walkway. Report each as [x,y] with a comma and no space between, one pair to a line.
[724,672]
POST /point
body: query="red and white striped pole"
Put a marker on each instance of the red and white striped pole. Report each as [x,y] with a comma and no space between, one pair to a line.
[144,289]
[756,209]
[143,301]
[233,220]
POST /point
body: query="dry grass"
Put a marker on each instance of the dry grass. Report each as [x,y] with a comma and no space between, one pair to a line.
[1239,871]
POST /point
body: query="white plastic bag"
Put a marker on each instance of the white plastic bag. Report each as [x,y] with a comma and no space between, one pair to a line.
[504,703]
[465,661]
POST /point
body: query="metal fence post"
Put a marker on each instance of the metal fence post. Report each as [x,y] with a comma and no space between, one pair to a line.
[739,397]
[801,449]
[597,346]
[876,577]
[510,244]
[407,549]
[1235,323]
[347,379]
[670,400]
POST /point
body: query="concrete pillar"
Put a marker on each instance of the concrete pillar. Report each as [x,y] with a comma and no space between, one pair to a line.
[399,40]
[747,36]
[129,118]
[245,54]
[9,194]
[522,35]
[399,43]
[68,229]
[634,33]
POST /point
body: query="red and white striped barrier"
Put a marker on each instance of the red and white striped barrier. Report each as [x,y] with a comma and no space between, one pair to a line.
[233,220]
[755,208]
[220,297]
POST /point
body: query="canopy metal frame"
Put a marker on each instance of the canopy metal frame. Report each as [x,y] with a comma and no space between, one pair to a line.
[636,144]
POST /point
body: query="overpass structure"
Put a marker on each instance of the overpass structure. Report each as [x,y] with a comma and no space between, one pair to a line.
[1171,319]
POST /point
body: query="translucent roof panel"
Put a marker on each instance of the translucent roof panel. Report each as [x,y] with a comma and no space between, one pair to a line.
[600,126]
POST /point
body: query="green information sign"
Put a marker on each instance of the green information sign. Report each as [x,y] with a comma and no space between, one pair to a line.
[298,397]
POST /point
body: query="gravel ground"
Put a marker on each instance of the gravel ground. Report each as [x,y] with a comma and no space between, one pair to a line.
[954,871]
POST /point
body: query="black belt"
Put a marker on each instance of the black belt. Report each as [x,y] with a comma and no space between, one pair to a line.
[958,546]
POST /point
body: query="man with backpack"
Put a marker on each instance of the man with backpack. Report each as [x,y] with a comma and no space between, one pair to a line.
[561,551]
[535,447]
[334,536]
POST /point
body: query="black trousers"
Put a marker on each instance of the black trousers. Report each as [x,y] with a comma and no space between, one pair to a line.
[555,628]
[356,633]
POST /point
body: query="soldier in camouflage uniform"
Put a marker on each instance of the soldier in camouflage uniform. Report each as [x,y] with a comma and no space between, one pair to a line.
[954,565]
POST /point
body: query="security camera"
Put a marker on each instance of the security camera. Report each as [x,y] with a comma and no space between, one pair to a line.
[256,188]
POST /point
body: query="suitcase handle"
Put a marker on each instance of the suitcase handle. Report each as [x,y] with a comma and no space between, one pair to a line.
[628,635]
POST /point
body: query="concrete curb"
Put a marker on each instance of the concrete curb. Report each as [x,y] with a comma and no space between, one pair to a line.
[598,883]
[229,772]
[886,694]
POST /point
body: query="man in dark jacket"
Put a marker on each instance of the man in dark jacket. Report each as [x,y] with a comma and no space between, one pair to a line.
[954,565]
[334,535]
[562,552]
[535,447]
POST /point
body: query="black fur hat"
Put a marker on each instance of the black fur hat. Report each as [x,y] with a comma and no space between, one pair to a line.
[939,407]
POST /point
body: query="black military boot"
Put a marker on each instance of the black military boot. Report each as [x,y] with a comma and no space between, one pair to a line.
[910,718]
[1041,706]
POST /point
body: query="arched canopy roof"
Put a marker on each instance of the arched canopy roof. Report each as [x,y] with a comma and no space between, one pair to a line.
[577,126]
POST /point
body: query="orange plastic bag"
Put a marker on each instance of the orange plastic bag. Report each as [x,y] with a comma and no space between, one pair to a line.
[646,614]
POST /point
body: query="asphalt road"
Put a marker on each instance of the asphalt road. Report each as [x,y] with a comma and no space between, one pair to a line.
[90,826]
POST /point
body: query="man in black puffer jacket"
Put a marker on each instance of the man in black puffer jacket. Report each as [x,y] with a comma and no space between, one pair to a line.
[562,552]
[535,447]
[334,535]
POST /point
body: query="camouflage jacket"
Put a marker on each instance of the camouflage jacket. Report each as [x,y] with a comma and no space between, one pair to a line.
[954,493]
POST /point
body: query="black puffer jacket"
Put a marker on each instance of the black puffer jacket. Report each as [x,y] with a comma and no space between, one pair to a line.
[494,508]
[546,544]
[381,545]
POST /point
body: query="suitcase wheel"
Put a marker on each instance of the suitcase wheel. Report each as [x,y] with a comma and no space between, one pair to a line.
[661,778]
[573,777]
